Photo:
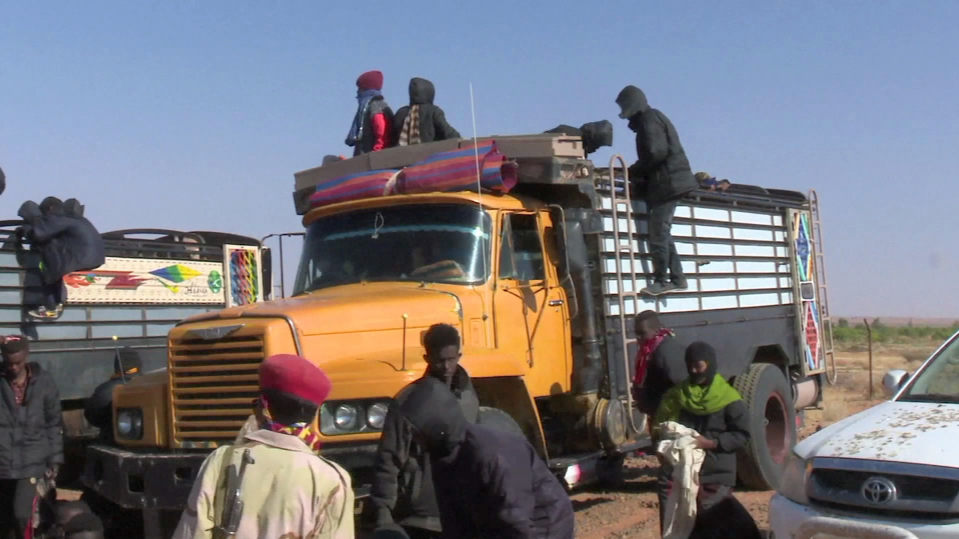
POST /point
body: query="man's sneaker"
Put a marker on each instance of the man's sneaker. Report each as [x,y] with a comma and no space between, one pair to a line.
[656,289]
[680,286]
[46,314]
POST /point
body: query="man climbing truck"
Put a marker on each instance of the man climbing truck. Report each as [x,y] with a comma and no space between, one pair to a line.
[542,282]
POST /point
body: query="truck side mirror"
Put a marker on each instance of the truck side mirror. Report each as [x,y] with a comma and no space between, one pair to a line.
[893,381]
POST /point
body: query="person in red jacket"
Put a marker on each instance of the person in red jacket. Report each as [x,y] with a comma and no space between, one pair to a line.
[373,124]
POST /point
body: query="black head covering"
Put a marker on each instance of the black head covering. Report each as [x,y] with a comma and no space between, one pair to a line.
[51,206]
[631,101]
[432,409]
[125,360]
[700,351]
[3,182]
[422,91]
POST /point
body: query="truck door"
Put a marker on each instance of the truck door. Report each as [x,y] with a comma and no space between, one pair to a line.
[530,304]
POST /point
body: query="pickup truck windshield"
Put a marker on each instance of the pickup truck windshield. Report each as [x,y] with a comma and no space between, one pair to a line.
[939,381]
[438,243]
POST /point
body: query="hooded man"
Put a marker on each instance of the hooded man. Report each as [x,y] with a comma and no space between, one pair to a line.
[402,485]
[707,404]
[373,123]
[287,489]
[98,409]
[661,176]
[67,242]
[31,435]
[421,121]
[659,363]
[488,482]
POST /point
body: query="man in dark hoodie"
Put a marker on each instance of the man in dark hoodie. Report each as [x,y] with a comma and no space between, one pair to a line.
[661,176]
[98,409]
[31,434]
[421,121]
[402,486]
[67,242]
[372,127]
[488,482]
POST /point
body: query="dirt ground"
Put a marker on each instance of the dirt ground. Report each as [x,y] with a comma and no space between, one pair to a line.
[631,510]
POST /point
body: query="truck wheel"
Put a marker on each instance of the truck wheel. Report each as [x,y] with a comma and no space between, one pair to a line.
[498,419]
[772,426]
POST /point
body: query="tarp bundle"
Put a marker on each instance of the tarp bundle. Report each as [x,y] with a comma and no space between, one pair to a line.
[454,170]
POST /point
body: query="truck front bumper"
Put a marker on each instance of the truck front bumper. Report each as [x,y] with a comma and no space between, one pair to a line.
[141,480]
[164,480]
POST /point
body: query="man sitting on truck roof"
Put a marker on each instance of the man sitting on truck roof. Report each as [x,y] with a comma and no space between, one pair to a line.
[661,176]
[421,121]
[372,127]
[403,486]
[305,495]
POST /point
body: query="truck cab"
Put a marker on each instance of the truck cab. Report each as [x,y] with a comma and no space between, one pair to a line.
[542,282]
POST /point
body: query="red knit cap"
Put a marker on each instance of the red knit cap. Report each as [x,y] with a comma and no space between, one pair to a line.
[371,80]
[296,376]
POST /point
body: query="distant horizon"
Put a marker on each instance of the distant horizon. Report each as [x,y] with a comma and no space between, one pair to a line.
[898,320]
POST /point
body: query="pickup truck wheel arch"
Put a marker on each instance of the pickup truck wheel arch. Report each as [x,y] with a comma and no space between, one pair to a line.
[772,426]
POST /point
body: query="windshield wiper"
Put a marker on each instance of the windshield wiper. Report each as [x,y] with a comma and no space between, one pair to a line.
[932,397]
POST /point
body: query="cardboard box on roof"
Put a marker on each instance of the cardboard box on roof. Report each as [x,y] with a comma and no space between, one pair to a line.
[513,147]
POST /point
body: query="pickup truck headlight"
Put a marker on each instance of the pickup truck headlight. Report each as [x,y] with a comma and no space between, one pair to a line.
[795,476]
[129,423]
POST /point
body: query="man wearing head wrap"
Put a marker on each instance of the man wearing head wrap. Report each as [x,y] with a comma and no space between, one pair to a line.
[659,363]
[288,489]
[98,409]
[422,121]
[31,434]
[707,404]
[488,482]
[661,176]
[373,122]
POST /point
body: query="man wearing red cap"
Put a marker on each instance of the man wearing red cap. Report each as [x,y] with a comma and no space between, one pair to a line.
[373,122]
[287,489]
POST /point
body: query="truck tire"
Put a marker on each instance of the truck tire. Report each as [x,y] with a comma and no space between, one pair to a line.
[772,426]
[498,419]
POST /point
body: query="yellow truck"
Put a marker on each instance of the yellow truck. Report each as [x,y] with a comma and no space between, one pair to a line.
[543,284]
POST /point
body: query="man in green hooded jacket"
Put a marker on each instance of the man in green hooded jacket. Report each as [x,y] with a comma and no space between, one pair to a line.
[706,403]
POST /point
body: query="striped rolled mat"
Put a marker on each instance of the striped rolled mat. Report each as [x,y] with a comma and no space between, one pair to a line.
[372,184]
[455,170]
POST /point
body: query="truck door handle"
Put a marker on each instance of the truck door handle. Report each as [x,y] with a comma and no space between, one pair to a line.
[555,302]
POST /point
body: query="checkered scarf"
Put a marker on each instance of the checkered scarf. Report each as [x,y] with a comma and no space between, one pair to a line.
[410,134]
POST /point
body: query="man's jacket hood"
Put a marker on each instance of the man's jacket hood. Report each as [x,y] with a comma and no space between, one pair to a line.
[631,101]
[30,211]
[422,91]
[73,208]
[433,410]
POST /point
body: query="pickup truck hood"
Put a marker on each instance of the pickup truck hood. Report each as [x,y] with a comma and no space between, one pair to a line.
[361,308]
[910,432]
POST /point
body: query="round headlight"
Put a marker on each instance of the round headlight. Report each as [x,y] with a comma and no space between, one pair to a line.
[125,422]
[345,416]
[376,415]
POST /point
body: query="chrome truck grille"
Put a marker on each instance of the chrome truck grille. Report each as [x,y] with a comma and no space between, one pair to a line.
[213,384]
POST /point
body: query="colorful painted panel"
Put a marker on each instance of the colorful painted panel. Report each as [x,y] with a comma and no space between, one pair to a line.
[809,309]
[244,278]
[146,281]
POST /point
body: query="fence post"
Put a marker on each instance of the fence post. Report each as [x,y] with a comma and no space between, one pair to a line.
[869,341]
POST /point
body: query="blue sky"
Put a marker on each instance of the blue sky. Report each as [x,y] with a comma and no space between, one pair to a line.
[195,115]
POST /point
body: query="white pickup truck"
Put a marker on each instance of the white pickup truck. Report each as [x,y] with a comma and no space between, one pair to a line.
[890,471]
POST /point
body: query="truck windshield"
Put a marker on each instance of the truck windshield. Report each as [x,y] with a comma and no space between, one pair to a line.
[441,243]
[939,380]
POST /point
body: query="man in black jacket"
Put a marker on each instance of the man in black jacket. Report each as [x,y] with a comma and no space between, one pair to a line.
[31,434]
[489,482]
[98,409]
[661,176]
[402,486]
[67,242]
[421,121]
[660,363]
